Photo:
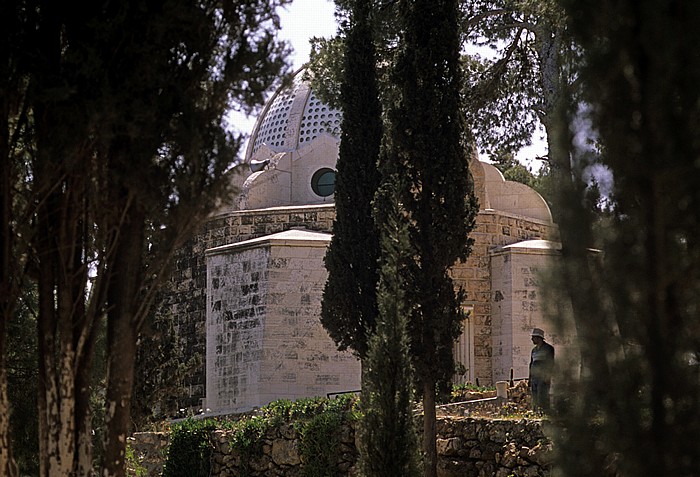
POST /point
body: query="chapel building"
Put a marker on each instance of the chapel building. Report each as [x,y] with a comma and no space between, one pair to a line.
[247,289]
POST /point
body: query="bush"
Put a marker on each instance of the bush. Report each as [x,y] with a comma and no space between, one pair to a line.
[317,421]
[189,454]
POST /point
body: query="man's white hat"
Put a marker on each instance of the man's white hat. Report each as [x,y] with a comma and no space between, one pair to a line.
[538,332]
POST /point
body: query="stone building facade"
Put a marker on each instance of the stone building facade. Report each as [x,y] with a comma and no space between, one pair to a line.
[245,293]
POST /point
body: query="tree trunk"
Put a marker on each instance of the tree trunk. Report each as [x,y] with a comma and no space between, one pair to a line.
[120,371]
[122,332]
[429,431]
[8,292]
[8,467]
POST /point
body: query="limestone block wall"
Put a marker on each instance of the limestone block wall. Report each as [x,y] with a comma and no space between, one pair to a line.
[300,359]
[493,229]
[236,302]
[264,337]
[179,321]
[467,447]
[515,308]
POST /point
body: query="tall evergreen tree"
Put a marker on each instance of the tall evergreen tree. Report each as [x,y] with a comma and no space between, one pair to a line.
[427,145]
[388,440]
[124,152]
[349,306]
[639,397]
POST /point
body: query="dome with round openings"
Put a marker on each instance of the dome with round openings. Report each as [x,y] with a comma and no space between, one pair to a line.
[292,118]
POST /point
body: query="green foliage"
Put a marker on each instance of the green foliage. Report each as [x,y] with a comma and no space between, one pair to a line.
[427,144]
[316,420]
[635,311]
[319,444]
[246,439]
[430,153]
[189,453]
[349,305]
[508,87]
[388,442]
[134,467]
[22,377]
[472,387]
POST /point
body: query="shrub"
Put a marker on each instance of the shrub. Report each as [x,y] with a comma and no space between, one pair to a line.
[189,454]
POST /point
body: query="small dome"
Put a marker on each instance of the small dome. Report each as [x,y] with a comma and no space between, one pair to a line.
[292,118]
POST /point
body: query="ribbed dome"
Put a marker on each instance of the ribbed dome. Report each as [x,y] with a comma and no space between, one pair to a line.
[292,118]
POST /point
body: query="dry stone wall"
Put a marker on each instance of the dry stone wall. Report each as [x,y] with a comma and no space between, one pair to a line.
[467,447]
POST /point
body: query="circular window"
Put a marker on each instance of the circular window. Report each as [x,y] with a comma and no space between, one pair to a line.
[323,182]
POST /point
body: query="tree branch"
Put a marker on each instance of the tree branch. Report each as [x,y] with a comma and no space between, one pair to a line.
[473,21]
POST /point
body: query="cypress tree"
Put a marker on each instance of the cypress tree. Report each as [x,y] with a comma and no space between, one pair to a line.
[639,398]
[388,442]
[427,145]
[349,306]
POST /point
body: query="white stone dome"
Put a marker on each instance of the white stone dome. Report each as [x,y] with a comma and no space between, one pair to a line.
[292,118]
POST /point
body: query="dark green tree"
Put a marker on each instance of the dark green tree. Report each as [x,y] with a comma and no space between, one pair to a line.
[22,381]
[124,151]
[427,145]
[349,306]
[637,400]
[13,208]
[389,443]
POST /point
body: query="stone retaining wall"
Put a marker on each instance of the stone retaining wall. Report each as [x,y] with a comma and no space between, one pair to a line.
[467,447]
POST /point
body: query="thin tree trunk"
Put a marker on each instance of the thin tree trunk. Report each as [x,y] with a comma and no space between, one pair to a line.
[8,467]
[8,292]
[429,430]
[122,332]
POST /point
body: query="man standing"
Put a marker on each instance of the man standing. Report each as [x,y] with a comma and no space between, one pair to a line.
[541,369]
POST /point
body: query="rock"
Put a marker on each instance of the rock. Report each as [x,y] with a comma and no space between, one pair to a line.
[287,431]
[285,452]
[449,447]
[510,455]
[503,472]
[542,454]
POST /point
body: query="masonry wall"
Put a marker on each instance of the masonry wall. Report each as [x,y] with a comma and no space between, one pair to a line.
[184,295]
[516,308]
[467,447]
[177,329]
[237,300]
[300,359]
[493,229]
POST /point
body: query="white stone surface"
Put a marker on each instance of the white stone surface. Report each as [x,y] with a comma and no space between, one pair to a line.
[516,303]
[513,197]
[264,337]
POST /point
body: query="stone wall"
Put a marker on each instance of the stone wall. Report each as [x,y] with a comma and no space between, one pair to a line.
[467,447]
[177,330]
[264,337]
[516,275]
[493,229]
[182,338]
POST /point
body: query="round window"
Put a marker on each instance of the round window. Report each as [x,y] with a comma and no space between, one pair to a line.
[323,182]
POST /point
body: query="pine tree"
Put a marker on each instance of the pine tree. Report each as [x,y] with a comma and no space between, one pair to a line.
[388,441]
[349,306]
[427,145]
